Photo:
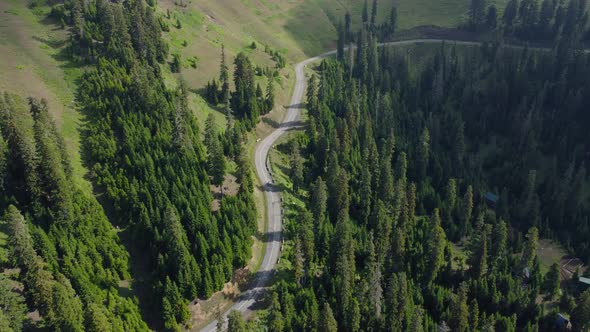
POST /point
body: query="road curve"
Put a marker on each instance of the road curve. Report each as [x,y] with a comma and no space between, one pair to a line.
[273,198]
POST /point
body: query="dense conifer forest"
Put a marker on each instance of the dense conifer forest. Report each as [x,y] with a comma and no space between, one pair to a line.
[69,256]
[150,171]
[431,182]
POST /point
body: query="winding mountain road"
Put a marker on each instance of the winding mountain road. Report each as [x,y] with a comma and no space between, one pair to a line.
[273,198]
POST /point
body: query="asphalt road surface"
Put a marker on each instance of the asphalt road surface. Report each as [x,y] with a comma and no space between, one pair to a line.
[273,198]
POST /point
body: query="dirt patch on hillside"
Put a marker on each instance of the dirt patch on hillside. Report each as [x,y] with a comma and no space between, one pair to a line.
[230,187]
[204,311]
[550,252]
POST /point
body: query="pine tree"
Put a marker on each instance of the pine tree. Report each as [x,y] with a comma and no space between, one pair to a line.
[22,153]
[215,157]
[492,17]
[435,247]
[244,98]
[270,95]
[500,242]
[341,42]
[298,264]
[177,304]
[259,94]
[375,291]
[327,323]
[275,318]
[365,12]
[451,193]
[23,252]
[182,114]
[312,96]
[361,66]
[179,257]
[393,20]
[374,13]
[581,314]
[393,319]
[343,268]
[481,256]
[412,203]
[319,198]
[530,250]
[210,133]
[224,77]
[170,323]
[307,237]
[510,13]
[176,64]
[3,159]
[477,13]
[235,322]
[297,167]
[552,281]
[467,206]
[399,303]
[460,310]
[13,306]
[243,173]
[387,188]
[67,307]
[417,324]
[382,224]
[474,315]
[528,14]
[424,153]
[366,192]
[96,318]
[218,165]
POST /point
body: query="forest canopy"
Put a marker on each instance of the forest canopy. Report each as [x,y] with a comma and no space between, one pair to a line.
[430,182]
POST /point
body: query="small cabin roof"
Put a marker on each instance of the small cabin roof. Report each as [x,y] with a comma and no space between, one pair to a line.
[492,197]
[584,280]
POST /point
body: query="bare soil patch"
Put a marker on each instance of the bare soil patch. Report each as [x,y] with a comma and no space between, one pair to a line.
[230,187]
[203,311]
[550,252]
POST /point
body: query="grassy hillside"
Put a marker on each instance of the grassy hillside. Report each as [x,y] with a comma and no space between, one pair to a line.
[411,13]
[31,47]
[307,27]
[32,63]
[296,28]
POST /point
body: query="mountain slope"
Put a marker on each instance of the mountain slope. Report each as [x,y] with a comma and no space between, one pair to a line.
[32,63]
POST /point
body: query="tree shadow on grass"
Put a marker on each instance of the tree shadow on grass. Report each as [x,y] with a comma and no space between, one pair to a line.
[256,290]
[141,287]
[284,169]
[272,187]
[62,56]
[219,108]
[292,125]
[51,22]
[53,43]
[268,237]
[296,106]
[271,122]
